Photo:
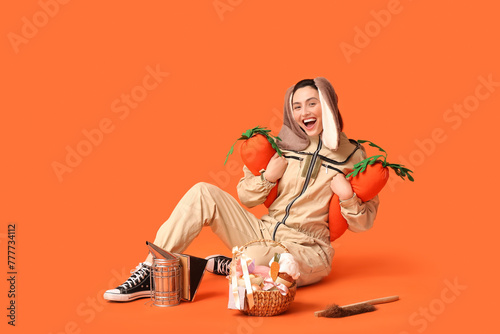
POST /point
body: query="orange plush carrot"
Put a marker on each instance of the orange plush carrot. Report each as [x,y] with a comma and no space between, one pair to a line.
[367,180]
[256,151]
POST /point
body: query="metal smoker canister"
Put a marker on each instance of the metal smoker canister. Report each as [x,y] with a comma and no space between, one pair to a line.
[166,282]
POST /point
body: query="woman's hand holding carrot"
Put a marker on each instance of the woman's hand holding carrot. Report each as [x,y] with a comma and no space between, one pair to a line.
[275,168]
[342,187]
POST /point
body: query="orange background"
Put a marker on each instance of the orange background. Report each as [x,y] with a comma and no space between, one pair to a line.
[228,73]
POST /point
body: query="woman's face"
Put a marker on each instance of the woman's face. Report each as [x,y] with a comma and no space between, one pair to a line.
[307,110]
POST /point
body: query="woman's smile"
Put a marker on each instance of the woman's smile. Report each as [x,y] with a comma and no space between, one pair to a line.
[307,111]
[309,123]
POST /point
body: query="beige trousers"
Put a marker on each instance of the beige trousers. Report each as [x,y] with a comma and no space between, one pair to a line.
[207,205]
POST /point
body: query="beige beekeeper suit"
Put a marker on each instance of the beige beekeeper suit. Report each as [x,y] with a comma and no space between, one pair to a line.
[298,218]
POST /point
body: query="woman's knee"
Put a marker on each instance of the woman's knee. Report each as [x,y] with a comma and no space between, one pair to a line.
[204,188]
[313,277]
[200,189]
[199,186]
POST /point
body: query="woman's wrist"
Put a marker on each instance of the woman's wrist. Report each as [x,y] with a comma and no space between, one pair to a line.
[264,178]
[347,197]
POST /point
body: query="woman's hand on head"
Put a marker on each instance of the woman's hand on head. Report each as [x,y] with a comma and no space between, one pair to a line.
[341,187]
[275,168]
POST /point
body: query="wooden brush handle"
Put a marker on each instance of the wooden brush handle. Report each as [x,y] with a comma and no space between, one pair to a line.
[376,301]
[370,302]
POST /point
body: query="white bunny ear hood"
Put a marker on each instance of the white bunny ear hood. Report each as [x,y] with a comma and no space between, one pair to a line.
[291,134]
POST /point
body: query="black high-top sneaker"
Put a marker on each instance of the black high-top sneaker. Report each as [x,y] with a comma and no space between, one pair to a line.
[135,287]
[218,264]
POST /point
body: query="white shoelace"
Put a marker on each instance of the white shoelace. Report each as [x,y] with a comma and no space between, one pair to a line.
[223,266]
[137,275]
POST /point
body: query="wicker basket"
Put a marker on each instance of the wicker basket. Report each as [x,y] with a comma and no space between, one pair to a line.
[269,303]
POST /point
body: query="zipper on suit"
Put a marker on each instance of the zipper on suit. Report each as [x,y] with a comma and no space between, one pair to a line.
[306,183]
[331,167]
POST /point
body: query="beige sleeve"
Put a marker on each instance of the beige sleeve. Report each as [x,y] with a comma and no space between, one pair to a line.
[359,215]
[252,190]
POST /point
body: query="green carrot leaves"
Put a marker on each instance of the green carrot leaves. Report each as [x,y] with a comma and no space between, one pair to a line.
[360,167]
[254,131]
